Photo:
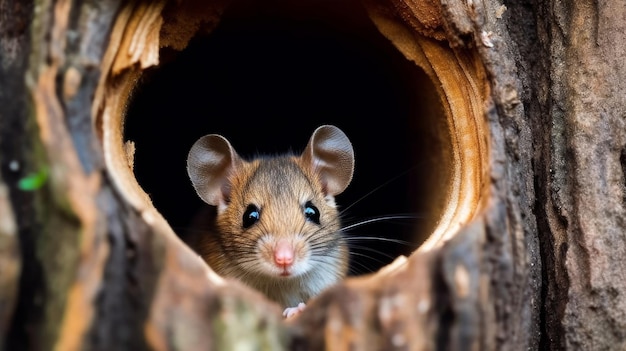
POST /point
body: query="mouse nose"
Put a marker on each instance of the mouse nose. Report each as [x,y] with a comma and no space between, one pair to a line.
[283,254]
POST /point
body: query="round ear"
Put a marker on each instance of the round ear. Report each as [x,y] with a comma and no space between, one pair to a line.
[210,161]
[329,154]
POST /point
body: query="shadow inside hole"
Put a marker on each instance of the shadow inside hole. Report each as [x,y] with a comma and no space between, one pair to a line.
[265,79]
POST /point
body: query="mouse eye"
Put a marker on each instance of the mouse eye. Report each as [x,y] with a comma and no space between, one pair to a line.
[311,213]
[250,216]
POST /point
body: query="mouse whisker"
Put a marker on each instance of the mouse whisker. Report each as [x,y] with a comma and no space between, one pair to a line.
[369,249]
[367,256]
[326,267]
[324,242]
[391,240]
[247,260]
[357,268]
[314,235]
[391,180]
[379,219]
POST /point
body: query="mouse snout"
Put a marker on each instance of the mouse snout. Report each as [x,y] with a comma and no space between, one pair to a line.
[284,254]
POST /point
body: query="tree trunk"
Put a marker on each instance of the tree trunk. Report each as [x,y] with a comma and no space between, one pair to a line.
[526,252]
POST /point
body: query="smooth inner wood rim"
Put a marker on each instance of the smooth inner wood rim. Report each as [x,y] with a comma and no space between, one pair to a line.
[463,88]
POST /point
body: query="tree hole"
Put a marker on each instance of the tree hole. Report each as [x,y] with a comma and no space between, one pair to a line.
[265,78]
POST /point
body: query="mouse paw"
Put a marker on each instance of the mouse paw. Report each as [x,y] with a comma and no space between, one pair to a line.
[293,311]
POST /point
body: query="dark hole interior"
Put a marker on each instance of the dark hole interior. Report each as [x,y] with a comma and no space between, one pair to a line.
[265,78]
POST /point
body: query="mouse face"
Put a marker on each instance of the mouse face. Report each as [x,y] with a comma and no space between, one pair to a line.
[277,228]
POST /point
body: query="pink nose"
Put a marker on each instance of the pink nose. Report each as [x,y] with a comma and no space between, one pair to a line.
[283,254]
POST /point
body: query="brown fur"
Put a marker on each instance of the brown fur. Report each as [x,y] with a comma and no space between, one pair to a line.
[279,187]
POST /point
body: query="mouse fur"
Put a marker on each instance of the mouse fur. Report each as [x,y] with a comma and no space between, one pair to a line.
[294,247]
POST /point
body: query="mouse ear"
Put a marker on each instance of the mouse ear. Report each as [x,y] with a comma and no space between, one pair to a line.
[210,161]
[330,155]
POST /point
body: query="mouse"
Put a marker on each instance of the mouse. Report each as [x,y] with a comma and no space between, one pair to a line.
[275,224]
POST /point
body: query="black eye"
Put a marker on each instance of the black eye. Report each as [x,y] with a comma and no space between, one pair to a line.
[250,216]
[311,213]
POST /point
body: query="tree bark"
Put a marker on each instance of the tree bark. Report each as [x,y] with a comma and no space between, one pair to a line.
[534,96]
[582,160]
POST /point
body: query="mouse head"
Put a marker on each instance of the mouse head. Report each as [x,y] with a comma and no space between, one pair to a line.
[274,214]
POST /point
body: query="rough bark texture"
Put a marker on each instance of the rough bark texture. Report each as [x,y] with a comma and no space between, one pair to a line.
[583,187]
[571,94]
[538,265]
